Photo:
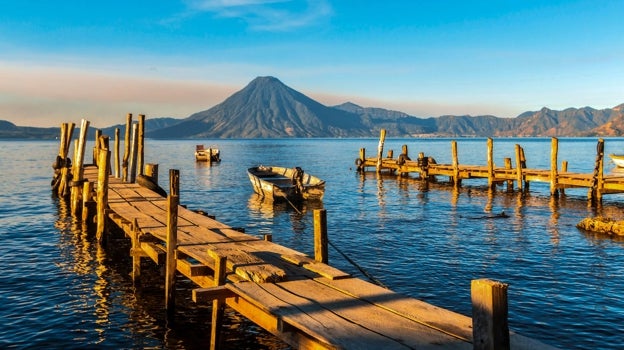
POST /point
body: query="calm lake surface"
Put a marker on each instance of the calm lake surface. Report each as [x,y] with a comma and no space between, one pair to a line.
[59,289]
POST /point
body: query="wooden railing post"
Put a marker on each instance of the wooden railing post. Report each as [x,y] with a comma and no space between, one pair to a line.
[490,327]
[172,241]
[320,235]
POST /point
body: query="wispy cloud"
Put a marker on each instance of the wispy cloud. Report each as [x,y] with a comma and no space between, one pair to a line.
[267,15]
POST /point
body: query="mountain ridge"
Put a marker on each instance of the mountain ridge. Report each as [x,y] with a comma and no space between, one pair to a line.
[267,108]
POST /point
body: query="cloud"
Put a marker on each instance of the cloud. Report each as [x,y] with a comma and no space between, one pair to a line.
[267,15]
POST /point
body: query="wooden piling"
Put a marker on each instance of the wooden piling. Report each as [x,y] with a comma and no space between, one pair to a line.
[103,164]
[98,133]
[320,236]
[455,160]
[67,130]
[490,162]
[554,150]
[509,182]
[490,327]
[141,144]
[382,139]
[173,200]
[136,251]
[564,169]
[360,161]
[78,169]
[133,154]
[89,206]
[595,191]
[117,165]
[124,164]
[218,305]
[151,171]
[519,177]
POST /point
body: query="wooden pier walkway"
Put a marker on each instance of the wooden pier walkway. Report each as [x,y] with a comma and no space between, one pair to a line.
[302,300]
[597,183]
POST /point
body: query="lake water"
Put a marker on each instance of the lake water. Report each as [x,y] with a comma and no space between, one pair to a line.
[59,289]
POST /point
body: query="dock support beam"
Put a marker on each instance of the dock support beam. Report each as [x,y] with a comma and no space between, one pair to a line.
[320,236]
[172,241]
[490,327]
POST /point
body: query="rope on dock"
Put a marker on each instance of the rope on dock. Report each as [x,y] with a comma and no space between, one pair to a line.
[362,270]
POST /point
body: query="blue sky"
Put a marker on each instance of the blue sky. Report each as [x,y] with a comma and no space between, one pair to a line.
[66,60]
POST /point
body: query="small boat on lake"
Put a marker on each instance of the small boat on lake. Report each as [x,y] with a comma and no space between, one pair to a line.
[291,184]
[211,154]
[618,159]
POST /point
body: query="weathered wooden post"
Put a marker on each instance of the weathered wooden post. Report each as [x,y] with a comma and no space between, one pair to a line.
[490,162]
[117,165]
[360,161]
[490,327]
[141,144]
[564,169]
[268,237]
[390,154]
[136,251]
[509,182]
[172,241]
[554,151]
[382,139]
[133,154]
[455,160]
[103,164]
[96,156]
[78,169]
[89,206]
[124,164]
[151,171]
[423,163]
[218,304]
[595,191]
[519,177]
[67,130]
[320,235]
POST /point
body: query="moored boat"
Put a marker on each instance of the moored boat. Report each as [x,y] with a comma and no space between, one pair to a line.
[279,183]
[211,154]
[618,159]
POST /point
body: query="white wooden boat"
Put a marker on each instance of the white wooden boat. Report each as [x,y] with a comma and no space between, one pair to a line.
[291,184]
[618,159]
[211,154]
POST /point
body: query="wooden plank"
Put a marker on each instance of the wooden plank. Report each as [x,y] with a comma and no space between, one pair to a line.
[310,264]
[444,320]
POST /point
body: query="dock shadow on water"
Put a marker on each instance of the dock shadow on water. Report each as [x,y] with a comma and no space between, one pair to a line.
[119,314]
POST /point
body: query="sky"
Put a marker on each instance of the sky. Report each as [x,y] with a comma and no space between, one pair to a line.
[62,61]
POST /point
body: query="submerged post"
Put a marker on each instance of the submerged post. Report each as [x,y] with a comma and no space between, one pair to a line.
[382,138]
[490,327]
[172,241]
[554,150]
[320,235]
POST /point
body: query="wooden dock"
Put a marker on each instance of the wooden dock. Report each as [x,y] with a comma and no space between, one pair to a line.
[302,300]
[596,183]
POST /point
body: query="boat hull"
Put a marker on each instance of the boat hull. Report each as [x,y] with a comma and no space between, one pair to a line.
[207,154]
[276,183]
